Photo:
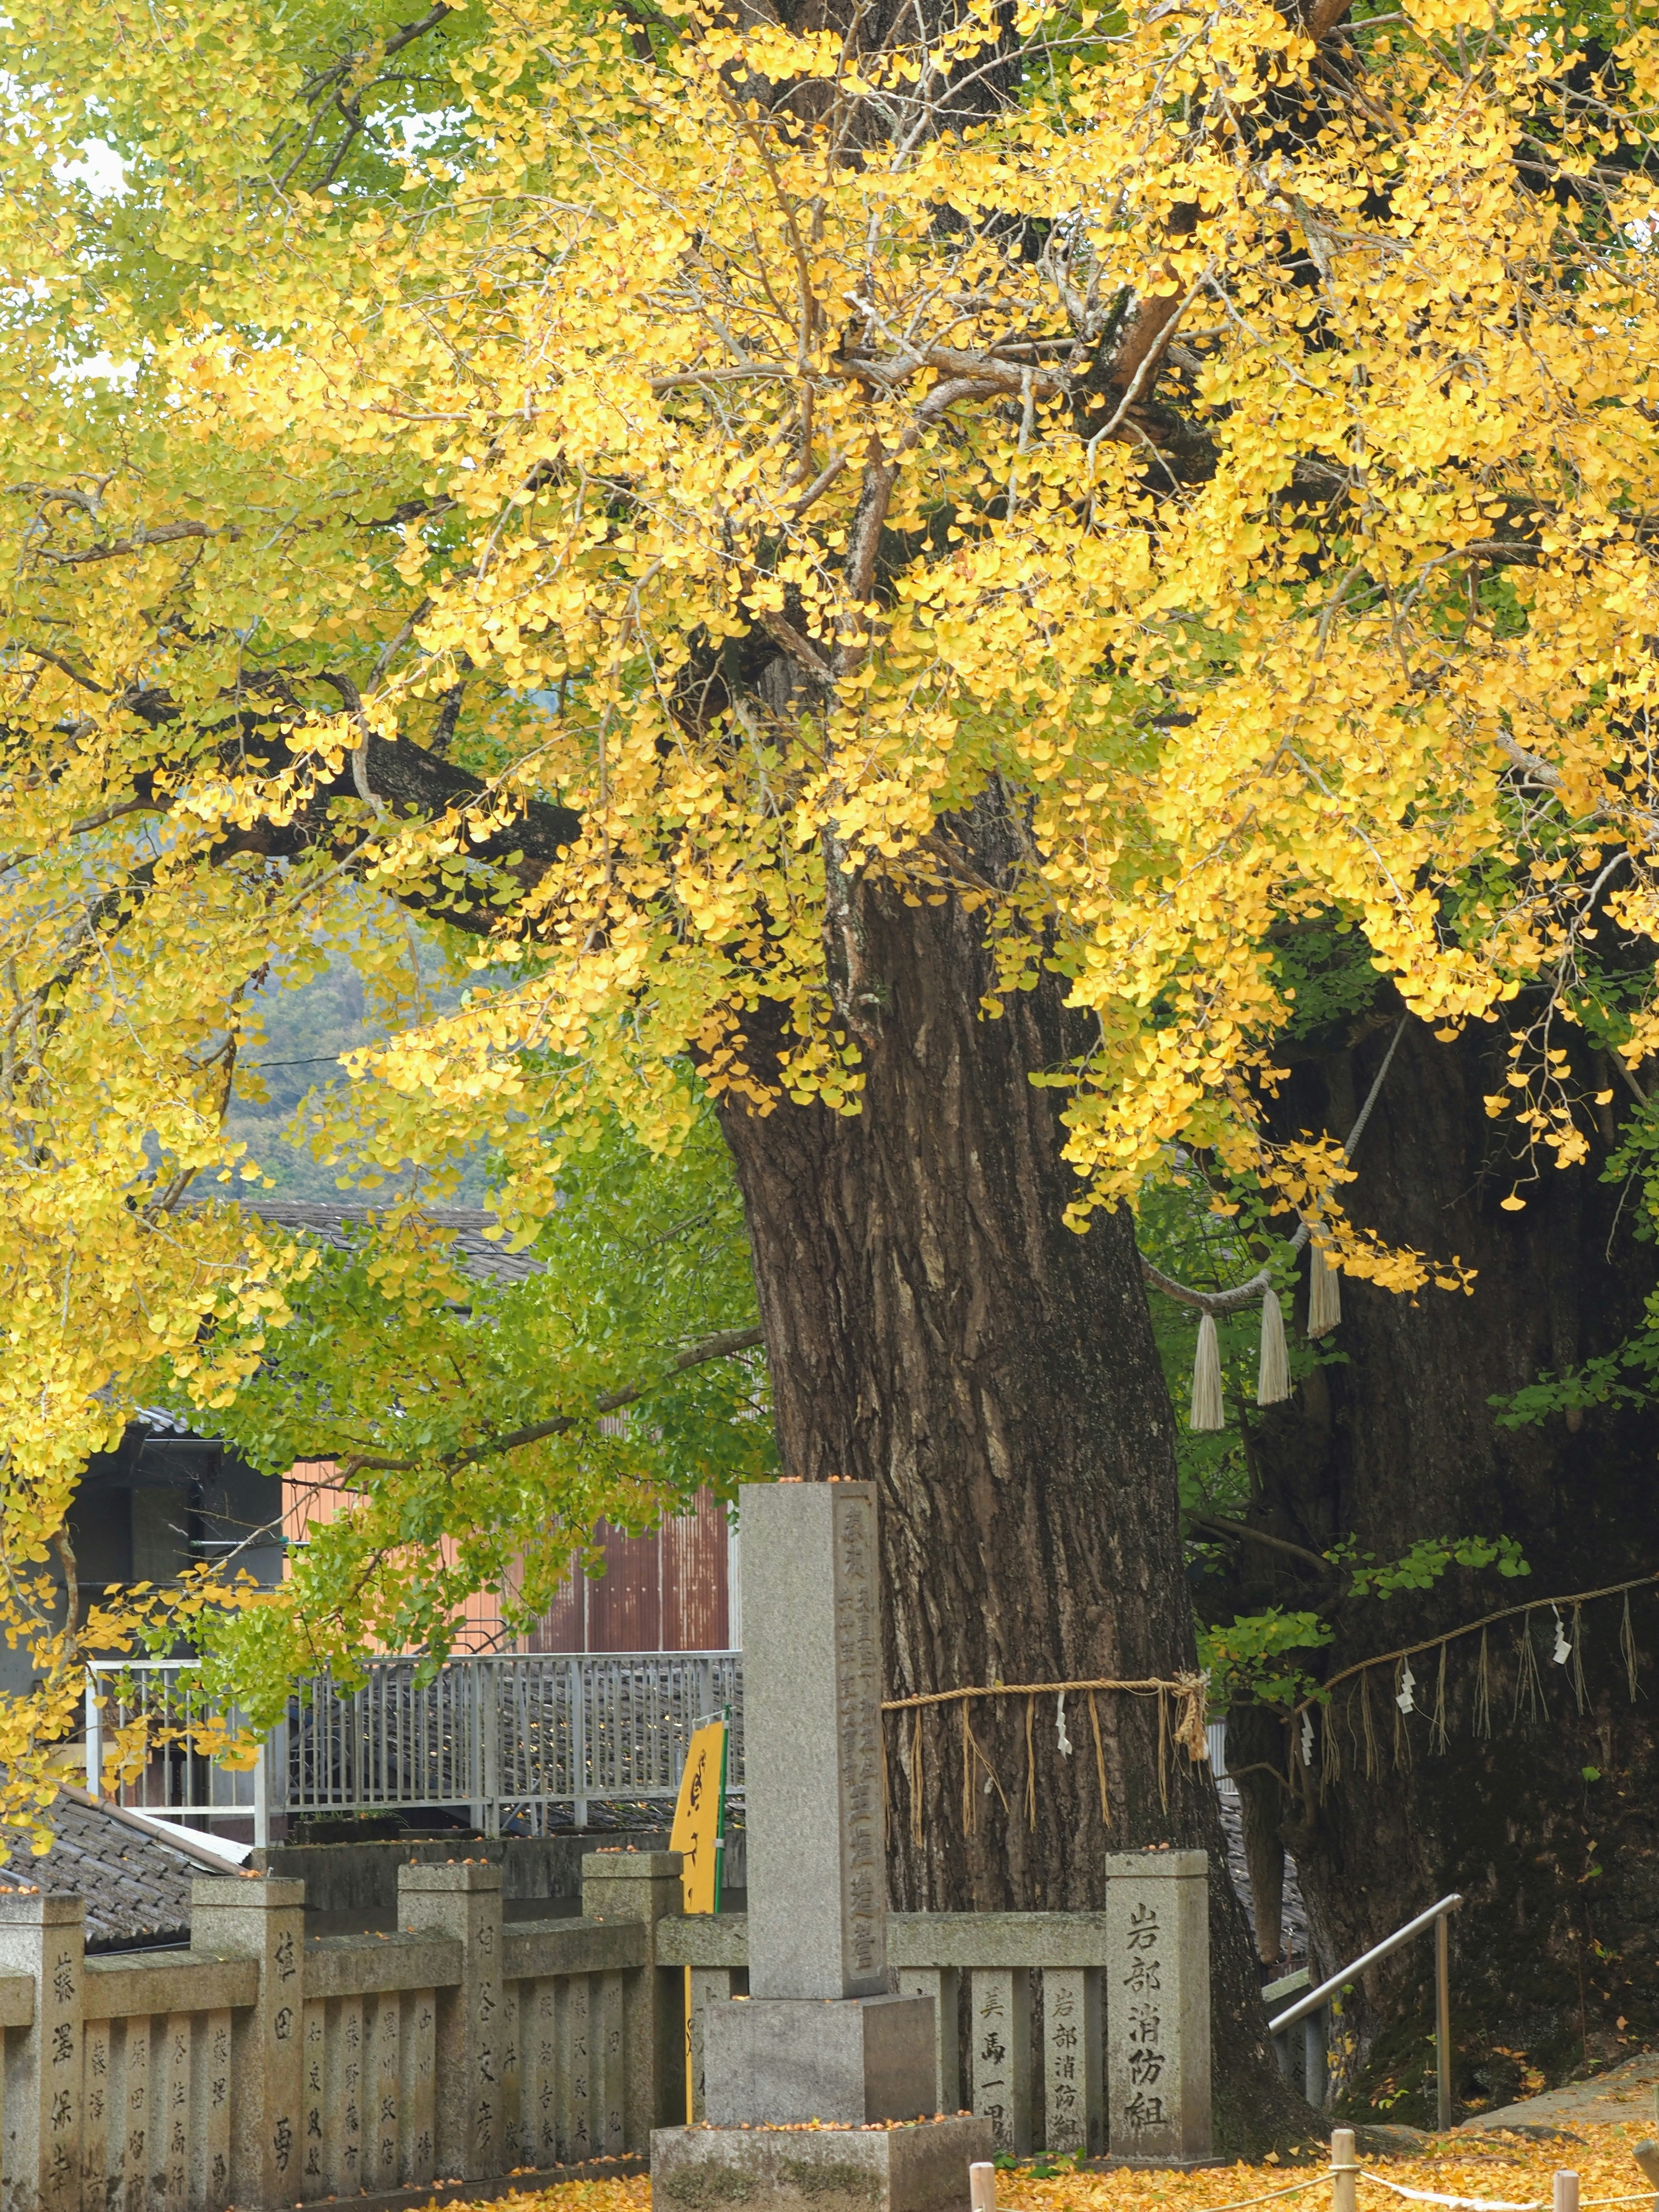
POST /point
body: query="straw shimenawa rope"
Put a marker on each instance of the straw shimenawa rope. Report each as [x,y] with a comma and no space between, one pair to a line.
[1190,1693]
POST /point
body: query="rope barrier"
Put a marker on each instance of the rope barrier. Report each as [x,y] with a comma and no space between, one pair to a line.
[1468,2203]
[1273,2195]
[1181,1685]
[1496,2203]
[1340,2169]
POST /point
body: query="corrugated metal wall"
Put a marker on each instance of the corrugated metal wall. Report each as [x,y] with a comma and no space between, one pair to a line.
[669,1592]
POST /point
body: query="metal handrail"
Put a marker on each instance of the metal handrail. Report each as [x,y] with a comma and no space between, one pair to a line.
[1389,1944]
[1306,2009]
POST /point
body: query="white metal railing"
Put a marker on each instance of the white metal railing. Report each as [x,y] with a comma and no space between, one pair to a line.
[175,1779]
[1313,2011]
[503,1738]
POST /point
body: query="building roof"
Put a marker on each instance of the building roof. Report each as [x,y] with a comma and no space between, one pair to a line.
[486,1259]
[136,1886]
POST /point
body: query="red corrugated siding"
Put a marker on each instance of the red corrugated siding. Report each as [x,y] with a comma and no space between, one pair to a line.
[661,1593]
[560,1628]
[694,1602]
[625,1604]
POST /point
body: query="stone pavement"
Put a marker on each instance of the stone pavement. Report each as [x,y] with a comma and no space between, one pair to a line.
[1625,2092]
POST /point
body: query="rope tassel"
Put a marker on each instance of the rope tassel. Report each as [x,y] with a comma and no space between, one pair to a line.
[1324,1295]
[1273,1376]
[1206,1378]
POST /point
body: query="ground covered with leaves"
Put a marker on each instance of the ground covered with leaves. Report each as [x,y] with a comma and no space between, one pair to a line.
[1506,2170]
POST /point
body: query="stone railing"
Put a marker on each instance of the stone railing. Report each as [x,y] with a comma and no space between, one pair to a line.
[260,2069]
[988,1972]
[264,2070]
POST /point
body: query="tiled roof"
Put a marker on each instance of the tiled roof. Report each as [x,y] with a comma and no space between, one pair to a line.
[484,1258]
[136,1887]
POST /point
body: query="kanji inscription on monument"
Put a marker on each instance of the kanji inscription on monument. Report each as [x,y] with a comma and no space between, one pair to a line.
[1158,2006]
[817,1878]
[820,2080]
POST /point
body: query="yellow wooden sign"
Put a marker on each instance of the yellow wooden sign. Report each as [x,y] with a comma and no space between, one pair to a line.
[697,1818]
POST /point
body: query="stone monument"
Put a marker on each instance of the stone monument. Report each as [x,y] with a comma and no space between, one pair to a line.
[819,2086]
[1157,2007]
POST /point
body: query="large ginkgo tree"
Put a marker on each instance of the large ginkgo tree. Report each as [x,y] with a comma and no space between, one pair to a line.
[878,563]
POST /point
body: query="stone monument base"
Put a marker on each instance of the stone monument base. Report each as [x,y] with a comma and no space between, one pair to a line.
[779,2062]
[919,2167]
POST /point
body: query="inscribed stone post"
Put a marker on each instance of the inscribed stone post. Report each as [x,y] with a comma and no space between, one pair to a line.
[812,1620]
[1000,1997]
[463,1901]
[644,1886]
[42,1935]
[1073,2059]
[818,2037]
[1158,2006]
[260,1918]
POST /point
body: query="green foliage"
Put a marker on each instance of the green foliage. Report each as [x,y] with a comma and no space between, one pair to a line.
[288,1070]
[1422,1566]
[1325,969]
[1254,1654]
[419,1385]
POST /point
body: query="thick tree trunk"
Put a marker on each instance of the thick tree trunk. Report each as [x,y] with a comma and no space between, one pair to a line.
[932,1326]
[1546,1825]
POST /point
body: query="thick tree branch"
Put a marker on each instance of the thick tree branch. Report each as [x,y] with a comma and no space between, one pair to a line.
[720,1346]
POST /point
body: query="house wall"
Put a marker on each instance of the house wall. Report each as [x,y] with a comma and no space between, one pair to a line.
[666,1592]
[669,1591]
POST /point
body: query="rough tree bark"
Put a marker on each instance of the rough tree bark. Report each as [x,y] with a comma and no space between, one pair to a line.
[1546,1826]
[932,1326]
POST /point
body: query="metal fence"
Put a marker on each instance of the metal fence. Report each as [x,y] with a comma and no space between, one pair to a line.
[509,1740]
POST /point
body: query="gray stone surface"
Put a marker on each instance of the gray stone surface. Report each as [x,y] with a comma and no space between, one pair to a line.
[774,2062]
[263,1919]
[636,1891]
[463,1902]
[1158,2006]
[812,1740]
[942,1985]
[42,1935]
[919,2168]
[1001,2000]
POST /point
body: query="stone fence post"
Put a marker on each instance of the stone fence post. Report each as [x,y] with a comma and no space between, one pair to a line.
[462,1900]
[262,1917]
[645,1886]
[42,1935]
[1157,2007]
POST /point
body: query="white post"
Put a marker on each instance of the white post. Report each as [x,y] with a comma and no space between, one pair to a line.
[95,1738]
[579,1740]
[1344,2172]
[262,1797]
[490,1679]
[982,2186]
[1566,2191]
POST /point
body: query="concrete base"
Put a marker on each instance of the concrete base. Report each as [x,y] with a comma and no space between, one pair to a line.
[777,2061]
[921,2168]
